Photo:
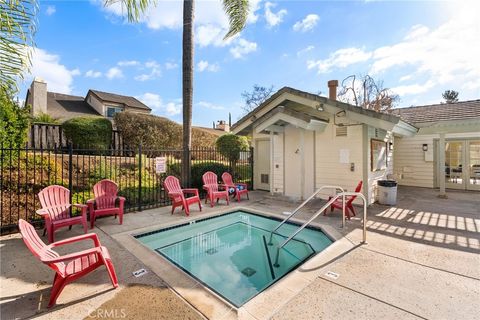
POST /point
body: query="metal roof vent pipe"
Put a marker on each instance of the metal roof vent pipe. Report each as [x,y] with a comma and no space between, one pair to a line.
[332,89]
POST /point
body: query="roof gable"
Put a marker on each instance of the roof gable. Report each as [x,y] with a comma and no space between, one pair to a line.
[120,99]
[64,106]
[315,103]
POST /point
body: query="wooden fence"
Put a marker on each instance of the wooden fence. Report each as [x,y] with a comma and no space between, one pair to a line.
[46,135]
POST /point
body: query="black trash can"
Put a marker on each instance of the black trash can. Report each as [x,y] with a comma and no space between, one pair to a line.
[387,192]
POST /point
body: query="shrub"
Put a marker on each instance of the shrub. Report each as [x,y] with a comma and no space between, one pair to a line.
[44,118]
[89,132]
[231,145]
[14,120]
[155,133]
[198,169]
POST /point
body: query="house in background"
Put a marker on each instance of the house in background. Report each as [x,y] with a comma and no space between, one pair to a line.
[63,106]
[303,141]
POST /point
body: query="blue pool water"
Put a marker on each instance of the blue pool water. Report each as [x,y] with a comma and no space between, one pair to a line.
[230,253]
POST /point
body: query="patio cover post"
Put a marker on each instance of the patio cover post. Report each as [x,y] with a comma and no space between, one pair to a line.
[272,162]
[441,160]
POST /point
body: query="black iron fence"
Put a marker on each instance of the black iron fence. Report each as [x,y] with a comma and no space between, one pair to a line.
[139,174]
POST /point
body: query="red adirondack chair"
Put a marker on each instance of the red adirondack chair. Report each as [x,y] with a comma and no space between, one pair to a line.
[177,195]
[210,184]
[338,204]
[68,267]
[105,202]
[240,188]
[55,201]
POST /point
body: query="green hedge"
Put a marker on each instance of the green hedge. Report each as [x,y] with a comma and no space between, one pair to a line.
[89,132]
[198,169]
[155,133]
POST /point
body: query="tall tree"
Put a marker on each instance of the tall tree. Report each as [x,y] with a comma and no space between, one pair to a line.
[256,97]
[450,96]
[365,92]
[17,30]
[237,12]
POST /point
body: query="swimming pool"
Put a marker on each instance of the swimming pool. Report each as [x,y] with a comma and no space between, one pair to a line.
[230,253]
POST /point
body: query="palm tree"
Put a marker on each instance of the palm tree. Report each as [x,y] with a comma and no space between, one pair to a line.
[17,29]
[237,12]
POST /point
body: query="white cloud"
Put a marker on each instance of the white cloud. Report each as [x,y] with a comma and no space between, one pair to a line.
[443,57]
[155,102]
[93,74]
[242,48]
[340,59]
[75,72]
[308,23]
[210,105]
[405,78]
[128,63]
[252,13]
[413,88]
[447,55]
[50,10]
[171,65]
[211,34]
[48,67]
[173,108]
[204,65]
[305,50]
[155,71]
[114,73]
[272,18]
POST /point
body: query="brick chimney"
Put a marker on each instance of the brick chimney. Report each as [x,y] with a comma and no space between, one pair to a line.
[222,125]
[38,93]
[332,89]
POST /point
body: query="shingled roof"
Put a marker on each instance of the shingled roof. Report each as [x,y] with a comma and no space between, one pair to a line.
[63,106]
[440,112]
[117,98]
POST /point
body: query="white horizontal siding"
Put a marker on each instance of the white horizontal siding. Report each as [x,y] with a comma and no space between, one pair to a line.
[278,163]
[329,170]
[410,167]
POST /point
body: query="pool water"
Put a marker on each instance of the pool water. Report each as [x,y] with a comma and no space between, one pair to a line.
[230,253]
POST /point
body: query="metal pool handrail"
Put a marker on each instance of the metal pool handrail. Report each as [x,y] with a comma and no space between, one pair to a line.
[324,207]
[302,205]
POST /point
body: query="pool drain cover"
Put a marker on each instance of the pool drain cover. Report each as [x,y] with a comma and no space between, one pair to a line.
[211,251]
[249,271]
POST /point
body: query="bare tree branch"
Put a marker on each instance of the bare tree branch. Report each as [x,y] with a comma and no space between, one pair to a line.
[368,93]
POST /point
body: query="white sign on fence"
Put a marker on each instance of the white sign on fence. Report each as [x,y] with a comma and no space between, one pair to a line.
[161,164]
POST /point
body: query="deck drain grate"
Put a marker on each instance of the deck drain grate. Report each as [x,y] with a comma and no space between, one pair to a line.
[211,251]
[248,272]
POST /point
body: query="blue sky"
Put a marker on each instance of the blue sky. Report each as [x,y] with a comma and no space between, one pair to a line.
[419,49]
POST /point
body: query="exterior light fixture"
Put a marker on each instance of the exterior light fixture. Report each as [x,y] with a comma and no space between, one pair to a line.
[425,147]
[390,146]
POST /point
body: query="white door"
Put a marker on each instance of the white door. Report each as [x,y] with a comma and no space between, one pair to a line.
[299,162]
[462,164]
[262,165]
[473,164]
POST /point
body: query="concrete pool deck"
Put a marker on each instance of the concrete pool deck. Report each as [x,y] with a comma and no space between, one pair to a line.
[421,261]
